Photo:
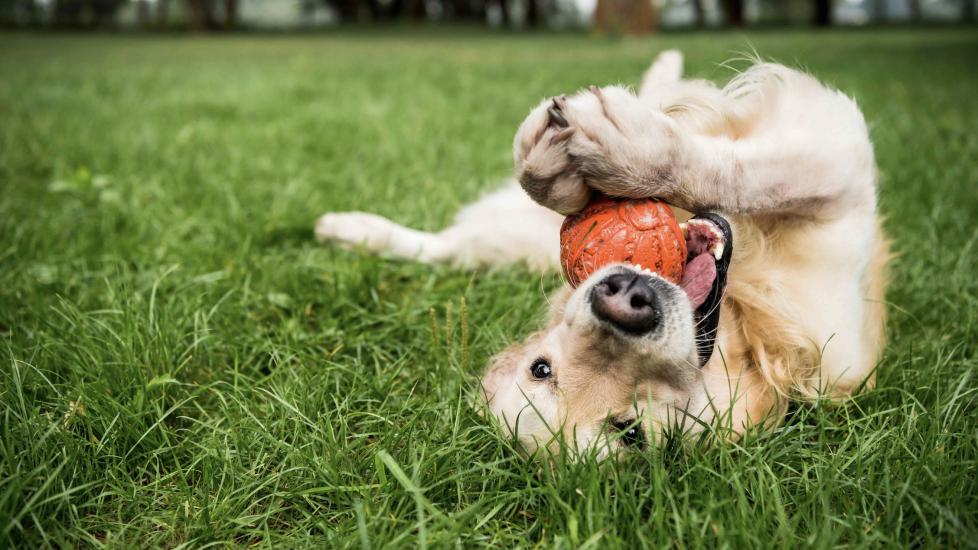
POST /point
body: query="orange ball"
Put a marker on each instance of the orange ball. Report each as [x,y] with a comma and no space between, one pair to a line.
[636,231]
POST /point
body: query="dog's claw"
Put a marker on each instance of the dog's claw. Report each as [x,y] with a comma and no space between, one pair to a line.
[556,117]
[561,135]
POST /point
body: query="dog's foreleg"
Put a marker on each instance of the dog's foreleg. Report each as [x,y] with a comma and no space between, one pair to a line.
[501,228]
[798,148]
[809,158]
[666,69]
[381,236]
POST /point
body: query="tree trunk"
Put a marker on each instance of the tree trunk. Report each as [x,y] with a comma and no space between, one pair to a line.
[880,13]
[968,11]
[735,12]
[67,13]
[104,12]
[348,10]
[201,15]
[625,16]
[460,9]
[375,9]
[532,13]
[478,11]
[700,13]
[915,11]
[230,13]
[162,12]
[417,9]
[823,13]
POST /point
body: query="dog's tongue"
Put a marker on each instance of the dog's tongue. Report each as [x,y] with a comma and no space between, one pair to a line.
[698,278]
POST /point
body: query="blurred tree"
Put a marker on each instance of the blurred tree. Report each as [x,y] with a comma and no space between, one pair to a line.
[67,13]
[734,10]
[503,6]
[466,10]
[625,16]
[20,13]
[628,16]
[533,13]
[880,12]
[348,10]
[84,13]
[230,13]
[699,13]
[143,16]
[413,9]
[204,14]
[823,13]
[915,11]
[162,12]
[357,11]
[201,17]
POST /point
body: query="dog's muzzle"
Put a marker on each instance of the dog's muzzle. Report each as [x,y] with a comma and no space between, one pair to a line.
[627,301]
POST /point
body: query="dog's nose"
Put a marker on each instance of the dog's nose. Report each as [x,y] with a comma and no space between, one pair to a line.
[627,301]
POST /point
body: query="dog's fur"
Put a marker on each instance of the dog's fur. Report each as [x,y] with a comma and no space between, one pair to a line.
[788,161]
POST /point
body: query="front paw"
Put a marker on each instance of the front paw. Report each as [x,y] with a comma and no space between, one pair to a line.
[354,229]
[619,145]
[543,163]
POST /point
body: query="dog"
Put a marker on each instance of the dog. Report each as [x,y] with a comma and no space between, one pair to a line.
[774,178]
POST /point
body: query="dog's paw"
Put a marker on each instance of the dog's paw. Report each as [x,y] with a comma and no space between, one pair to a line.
[353,229]
[601,138]
[543,164]
[620,145]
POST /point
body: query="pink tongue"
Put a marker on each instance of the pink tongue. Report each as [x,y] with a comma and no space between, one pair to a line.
[698,278]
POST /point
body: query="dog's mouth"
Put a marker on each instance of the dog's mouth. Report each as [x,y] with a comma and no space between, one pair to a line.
[709,244]
[625,297]
[705,244]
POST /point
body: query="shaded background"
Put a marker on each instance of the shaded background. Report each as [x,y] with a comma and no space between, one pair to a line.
[613,16]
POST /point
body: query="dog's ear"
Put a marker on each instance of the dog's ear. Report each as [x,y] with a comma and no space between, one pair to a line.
[707,316]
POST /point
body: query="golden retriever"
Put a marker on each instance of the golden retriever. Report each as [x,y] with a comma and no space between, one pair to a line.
[787,245]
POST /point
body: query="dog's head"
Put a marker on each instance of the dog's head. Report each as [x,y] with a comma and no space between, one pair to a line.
[620,355]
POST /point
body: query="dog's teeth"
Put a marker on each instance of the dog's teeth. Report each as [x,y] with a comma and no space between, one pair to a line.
[684,227]
[718,250]
[642,269]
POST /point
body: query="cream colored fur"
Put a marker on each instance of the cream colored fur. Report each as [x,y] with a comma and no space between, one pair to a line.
[787,160]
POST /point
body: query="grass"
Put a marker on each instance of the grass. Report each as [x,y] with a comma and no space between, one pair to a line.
[183,365]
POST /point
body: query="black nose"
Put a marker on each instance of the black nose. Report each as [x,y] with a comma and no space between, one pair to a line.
[627,301]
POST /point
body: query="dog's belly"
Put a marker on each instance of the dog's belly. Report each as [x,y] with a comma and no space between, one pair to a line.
[823,269]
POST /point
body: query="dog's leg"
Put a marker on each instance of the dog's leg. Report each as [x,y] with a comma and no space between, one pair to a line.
[666,69]
[381,236]
[501,228]
[805,149]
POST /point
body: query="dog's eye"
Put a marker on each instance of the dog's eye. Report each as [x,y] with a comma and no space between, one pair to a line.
[540,369]
[630,433]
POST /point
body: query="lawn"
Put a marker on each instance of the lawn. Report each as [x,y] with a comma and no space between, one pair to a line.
[183,364]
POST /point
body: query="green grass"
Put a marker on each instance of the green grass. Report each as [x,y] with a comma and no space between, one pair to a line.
[183,364]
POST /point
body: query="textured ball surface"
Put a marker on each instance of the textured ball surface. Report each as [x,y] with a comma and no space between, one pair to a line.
[636,231]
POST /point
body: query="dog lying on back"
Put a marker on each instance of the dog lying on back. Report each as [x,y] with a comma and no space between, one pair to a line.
[780,170]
